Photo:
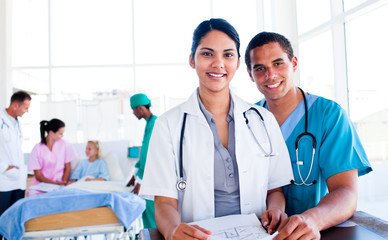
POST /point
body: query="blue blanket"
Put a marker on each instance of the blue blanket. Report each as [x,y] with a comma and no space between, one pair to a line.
[127,207]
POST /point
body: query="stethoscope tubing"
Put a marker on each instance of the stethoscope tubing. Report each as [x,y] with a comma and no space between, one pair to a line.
[181,183]
[314,144]
[266,154]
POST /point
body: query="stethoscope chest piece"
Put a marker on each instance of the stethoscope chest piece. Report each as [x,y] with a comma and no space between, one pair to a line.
[181,185]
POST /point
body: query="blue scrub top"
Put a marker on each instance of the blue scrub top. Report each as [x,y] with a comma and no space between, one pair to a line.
[338,149]
[94,169]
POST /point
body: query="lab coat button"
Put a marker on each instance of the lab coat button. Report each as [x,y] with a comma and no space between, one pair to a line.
[230,167]
[231,175]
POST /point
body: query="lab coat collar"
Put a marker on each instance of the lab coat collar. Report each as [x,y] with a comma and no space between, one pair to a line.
[240,105]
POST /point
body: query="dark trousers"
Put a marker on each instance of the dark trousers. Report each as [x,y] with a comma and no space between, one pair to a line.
[9,198]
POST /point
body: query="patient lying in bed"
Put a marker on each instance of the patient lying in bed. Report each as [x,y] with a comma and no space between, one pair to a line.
[93,168]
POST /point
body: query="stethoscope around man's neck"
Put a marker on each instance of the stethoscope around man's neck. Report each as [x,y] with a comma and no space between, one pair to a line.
[298,139]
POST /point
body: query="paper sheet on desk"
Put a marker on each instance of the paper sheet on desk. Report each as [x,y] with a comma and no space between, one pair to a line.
[235,227]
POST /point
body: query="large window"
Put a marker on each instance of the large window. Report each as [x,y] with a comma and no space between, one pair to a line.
[368,100]
[351,35]
[83,59]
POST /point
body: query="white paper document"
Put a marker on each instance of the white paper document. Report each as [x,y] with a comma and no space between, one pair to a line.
[235,227]
[45,187]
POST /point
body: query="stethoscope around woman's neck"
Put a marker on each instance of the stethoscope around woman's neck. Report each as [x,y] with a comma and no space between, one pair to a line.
[181,183]
[298,139]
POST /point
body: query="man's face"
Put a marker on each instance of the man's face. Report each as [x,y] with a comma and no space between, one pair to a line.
[21,108]
[137,111]
[272,70]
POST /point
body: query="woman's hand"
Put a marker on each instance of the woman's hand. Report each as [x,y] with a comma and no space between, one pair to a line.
[186,231]
[272,218]
[275,210]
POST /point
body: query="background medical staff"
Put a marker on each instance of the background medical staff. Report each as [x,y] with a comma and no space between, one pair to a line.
[140,105]
[339,156]
[50,159]
[225,169]
[13,172]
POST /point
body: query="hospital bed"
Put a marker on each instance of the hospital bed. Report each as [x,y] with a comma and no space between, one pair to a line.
[100,220]
[74,211]
[71,212]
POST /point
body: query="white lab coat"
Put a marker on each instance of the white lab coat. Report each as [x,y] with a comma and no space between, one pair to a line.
[11,154]
[256,173]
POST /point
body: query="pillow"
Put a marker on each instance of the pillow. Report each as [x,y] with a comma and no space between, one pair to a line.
[115,171]
[74,164]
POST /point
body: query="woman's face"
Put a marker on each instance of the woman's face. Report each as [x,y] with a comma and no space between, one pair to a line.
[91,150]
[216,61]
[58,134]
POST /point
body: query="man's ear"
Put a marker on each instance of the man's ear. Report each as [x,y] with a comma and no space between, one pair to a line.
[14,105]
[294,63]
[191,61]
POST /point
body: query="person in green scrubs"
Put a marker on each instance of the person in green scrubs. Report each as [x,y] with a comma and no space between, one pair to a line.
[140,105]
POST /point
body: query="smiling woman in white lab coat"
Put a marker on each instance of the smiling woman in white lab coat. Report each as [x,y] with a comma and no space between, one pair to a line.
[229,166]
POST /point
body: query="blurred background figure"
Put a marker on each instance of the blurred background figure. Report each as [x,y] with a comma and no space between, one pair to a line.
[94,168]
[13,172]
[50,159]
[140,105]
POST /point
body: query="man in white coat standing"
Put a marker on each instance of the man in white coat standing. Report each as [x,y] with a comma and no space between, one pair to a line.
[13,172]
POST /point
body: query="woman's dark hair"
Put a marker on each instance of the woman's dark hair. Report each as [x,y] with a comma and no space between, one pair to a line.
[214,24]
[47,126]
[268,37]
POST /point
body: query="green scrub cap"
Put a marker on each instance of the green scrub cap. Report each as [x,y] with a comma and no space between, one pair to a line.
[139,99]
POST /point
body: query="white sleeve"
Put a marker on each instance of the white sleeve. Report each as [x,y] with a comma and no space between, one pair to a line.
[160,175]
[280,172]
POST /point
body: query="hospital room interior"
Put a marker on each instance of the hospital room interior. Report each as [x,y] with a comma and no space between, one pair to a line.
[82,60]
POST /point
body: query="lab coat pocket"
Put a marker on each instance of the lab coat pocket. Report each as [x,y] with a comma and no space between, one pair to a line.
[12,174]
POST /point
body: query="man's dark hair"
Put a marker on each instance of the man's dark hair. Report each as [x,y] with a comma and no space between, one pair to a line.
[265,38]
[20,97]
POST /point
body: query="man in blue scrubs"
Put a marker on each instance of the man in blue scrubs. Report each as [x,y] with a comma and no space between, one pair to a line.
[325,190]
[140,105]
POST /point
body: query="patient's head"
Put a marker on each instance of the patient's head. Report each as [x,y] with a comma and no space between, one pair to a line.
[93,149]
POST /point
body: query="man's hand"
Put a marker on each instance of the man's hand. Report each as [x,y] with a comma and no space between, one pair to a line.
[136,189]
[298,227]
[131,182]
[12,166]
